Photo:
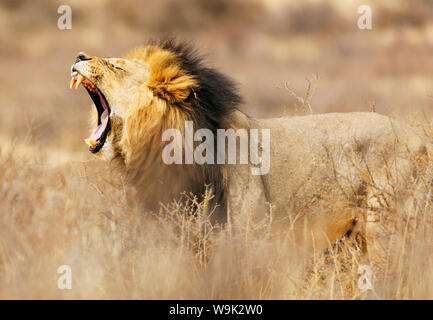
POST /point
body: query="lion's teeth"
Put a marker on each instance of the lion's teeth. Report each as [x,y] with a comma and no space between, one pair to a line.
[72,83]
[90,142]
[80,80]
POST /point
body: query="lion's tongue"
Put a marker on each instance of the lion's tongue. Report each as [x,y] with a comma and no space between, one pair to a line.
[97,133]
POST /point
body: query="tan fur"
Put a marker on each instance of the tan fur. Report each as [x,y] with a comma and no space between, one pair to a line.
[327,174]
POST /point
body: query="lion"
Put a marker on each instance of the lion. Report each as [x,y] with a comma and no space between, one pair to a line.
[329,174]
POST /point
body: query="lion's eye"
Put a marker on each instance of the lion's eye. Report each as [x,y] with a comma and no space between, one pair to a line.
[116,67]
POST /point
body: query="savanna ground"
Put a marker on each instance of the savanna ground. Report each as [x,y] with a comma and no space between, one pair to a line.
[57,208]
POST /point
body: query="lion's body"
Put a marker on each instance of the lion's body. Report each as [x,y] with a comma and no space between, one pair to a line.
[327,172]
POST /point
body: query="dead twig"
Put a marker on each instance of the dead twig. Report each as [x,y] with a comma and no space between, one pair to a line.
[305,101]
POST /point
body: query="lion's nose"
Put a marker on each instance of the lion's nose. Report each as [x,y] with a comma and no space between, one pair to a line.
[82,57]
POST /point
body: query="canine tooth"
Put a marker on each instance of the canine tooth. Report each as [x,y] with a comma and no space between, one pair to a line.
[72,83]
[91,142]
[80,80]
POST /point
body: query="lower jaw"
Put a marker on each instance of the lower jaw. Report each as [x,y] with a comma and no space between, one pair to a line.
[103,139]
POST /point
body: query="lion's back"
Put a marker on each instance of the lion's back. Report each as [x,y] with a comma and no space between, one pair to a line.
[318,156]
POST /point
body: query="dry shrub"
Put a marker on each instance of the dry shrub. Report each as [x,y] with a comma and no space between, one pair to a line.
[306,18]
[413,13]
[188,15]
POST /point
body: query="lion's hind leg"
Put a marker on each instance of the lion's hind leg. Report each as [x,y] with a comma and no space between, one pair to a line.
[387,243]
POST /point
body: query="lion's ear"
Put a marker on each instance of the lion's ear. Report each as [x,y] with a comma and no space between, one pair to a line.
[167,79]
[171,84]
[174,89]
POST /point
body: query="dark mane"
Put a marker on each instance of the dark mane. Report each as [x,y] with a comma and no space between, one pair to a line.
[217,94]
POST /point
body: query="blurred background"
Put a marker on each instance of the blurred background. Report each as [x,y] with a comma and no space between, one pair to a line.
[54,212]
[261,44]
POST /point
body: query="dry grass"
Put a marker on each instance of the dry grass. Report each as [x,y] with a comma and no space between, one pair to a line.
[72,215]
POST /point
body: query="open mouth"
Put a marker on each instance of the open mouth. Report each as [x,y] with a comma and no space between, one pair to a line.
[99,134]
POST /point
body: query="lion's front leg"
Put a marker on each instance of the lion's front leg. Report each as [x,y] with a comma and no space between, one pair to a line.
[246,199]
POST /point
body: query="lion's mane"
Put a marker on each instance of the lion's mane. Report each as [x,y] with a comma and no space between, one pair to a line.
[182,89]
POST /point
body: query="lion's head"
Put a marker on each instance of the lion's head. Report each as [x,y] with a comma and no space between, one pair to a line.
[153,88]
